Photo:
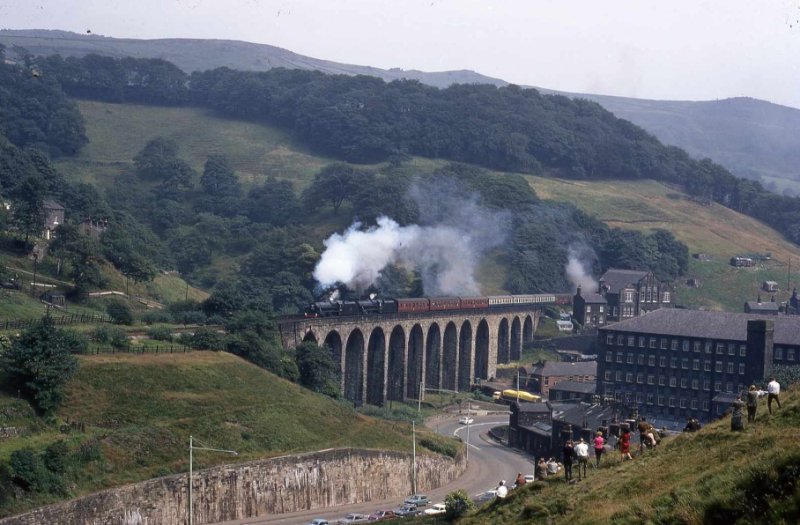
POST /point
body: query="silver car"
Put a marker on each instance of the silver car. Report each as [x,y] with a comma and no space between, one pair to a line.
[353,518]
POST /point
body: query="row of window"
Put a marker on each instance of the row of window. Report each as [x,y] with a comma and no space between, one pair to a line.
[685,382]
[779,354]
[670,401]
[719,366]
[665,343]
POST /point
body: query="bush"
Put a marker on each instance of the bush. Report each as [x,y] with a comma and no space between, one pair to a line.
[157,316]
[160,333]
[457,504]
[190,318]
[113,335]
[120,312]
[206,339]
[440,447]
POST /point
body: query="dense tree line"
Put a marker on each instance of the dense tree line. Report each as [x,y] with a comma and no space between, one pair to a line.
[364,119]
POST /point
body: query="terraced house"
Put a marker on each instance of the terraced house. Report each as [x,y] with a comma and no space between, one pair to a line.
[630,293]
[672,363]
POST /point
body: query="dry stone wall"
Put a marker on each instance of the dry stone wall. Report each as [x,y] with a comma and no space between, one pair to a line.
[259,488]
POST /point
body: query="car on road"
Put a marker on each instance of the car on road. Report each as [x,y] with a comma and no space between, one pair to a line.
[483,497]
[380,515]
[318,521]
[420,500]
[407,510]
[465,420]
[436,508]
[528,478]
[353,518]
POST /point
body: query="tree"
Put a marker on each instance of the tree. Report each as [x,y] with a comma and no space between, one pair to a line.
[120,312]
[155,157]
[28,210]
[40,362]
[334,184]
[318,371]
[457,503]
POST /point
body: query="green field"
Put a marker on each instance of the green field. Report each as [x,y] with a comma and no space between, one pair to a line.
[141,410]
[714,230]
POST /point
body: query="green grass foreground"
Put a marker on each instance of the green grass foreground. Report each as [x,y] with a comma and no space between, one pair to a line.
[138,411]
[714,476]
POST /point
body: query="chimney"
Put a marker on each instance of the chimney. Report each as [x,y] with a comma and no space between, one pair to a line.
[578,291]
[760,334]
[759,299]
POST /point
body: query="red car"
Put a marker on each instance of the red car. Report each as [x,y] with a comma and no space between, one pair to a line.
[380,515]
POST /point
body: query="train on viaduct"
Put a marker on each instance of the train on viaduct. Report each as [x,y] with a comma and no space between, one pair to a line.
[392,351]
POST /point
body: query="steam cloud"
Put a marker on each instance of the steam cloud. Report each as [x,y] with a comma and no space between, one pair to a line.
[445,251]
[576,267]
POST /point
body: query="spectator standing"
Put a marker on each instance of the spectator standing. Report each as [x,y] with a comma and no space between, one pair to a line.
[625,444]
[737,425]
[552,466]
[773,391]
[569,453]
[599,443]
[582,451]
[752,402]
[502,490]
[520,480]
[541,469]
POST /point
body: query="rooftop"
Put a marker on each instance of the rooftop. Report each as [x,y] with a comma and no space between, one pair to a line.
[756,306]
[562,368]
[707,325]
[617,279]
[537,408]
[582,387]
[593,298]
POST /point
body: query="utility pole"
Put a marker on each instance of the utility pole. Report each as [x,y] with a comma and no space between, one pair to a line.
[191,472]
[414,455]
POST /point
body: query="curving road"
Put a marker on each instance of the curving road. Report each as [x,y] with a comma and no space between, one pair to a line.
[488,463]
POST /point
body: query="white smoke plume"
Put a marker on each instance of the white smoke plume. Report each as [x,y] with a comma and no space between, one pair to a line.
[579,258]
[444,256]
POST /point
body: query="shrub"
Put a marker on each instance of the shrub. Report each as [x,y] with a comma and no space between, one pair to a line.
[440,447]
[457,504]
[190,318]
[113,335]
[156,316]
[160,333]
[120,312]
[206,339]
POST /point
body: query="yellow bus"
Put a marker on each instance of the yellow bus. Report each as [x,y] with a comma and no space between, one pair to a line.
[511,395]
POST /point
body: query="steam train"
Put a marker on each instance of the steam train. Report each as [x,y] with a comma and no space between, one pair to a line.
[376,306]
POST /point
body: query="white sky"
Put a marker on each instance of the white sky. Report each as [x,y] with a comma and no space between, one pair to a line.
[671,49]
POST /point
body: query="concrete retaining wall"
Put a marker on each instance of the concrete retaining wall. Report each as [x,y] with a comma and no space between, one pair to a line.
[272,486]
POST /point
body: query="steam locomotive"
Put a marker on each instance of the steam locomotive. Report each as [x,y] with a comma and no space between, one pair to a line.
[376,306]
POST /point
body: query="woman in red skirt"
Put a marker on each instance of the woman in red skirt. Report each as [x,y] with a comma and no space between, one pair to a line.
[625,444]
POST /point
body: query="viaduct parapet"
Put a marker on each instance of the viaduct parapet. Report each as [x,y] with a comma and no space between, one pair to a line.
[390,357]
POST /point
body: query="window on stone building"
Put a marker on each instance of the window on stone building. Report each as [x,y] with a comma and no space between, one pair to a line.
[717,386]
[706,384]
[651,360]
[741,369]
[620,340]
[649,399]
[610,339]
[664,343]
[672,402]
[618,376]
[629,377]
[641,341]
[630,358]
[588,309]
[662,361]
[631,340]
[683,402]
[652,342]
[718,366]
[695,384]
[729,387]
[662,380]
[661,401]
[730,368]
[778,353]
[708,347]
[685,345]
[667,297]
[607,375]
[609,356]
[640,359]
[790,354]
[694,404]
[685,364]
[629,296]
[695,364]
[673,381]
[707,365]
[696,346]
[742,350]
[674,344]
[640,378]
[731,349]
[673,362]
[706,404]
[684,382]
[651,379]
[641,295]
[720,348]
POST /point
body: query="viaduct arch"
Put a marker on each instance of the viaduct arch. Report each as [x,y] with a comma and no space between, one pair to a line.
[390,357]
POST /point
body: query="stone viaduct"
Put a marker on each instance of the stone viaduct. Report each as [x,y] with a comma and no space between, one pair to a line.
[388,357]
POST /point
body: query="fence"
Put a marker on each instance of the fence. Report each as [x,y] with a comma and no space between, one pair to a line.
[63,320]
[157,349]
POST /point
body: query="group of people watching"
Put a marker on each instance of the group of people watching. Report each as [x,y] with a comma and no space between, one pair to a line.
[751,401]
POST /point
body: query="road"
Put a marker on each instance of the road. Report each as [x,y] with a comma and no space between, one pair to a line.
[488,463]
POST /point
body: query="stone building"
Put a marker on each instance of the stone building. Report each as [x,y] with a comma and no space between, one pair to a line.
[573,391]
[589,309]
[672,363]
[630,293]
[762,307]
[545,374]
[53,218]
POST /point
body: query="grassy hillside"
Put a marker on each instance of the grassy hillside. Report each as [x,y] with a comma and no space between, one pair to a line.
[117,132]
[139,411]
[713,230]
[714,476]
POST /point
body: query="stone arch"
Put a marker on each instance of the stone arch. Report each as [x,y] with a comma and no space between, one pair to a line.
[376,367]
[450,357]
[465,357]
[482,350]
[503,355]
[516,339]
[310,337]
[397,364]
[527,330]
[334,343]
[433,357]
[354,368]
[415,360]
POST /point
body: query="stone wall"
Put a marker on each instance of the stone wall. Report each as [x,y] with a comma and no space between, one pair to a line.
[271,486]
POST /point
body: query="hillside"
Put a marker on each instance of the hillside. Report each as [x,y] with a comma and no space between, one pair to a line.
[129,417]
[714,476]
[752,138]
[256,151]
[714,230]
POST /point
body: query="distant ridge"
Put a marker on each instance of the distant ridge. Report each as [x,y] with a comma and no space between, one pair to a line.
[752,138]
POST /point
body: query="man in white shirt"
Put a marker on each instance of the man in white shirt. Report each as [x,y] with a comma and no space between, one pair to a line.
[582,451]
[502,490]
[773,391]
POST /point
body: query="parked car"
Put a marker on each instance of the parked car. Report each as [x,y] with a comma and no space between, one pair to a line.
[380,515]
[353,518]
[483,497]
[419,500]
[318,521]
[407,510]
[466,420]
[528,478]
[436,508]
